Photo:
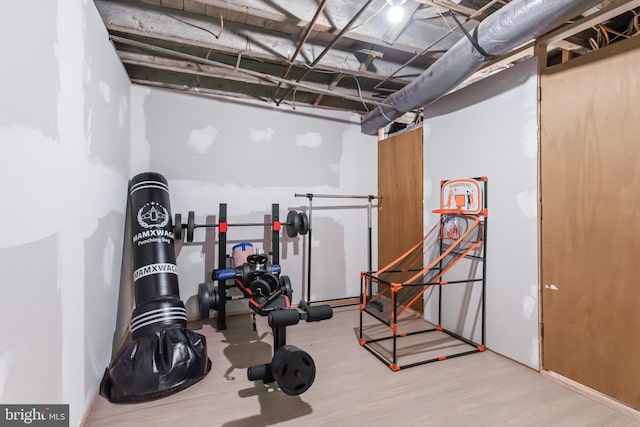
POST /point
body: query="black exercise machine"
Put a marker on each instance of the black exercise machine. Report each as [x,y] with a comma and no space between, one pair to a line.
[270,295]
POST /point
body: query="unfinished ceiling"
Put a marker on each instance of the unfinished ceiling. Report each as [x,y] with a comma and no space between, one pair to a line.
[336,54]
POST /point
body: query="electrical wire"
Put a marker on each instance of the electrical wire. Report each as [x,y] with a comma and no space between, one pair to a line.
[369,18]
[217,36]
[295,90]
[198,75]
[604,33]
[451,30]
[360,93]
[612,31]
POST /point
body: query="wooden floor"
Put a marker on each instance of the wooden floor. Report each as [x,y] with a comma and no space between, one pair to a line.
[353,388]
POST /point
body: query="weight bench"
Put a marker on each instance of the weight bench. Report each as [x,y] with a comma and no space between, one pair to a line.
[270,296]
[291,368]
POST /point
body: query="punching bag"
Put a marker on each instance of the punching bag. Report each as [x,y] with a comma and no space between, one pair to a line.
[164,356]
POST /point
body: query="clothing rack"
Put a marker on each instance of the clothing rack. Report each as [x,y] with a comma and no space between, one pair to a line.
[310,196]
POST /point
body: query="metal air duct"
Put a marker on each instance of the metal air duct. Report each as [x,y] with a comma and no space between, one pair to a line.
[506,29]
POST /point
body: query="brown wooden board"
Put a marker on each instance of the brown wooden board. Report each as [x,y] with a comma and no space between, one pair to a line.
[400,217]
[590,227]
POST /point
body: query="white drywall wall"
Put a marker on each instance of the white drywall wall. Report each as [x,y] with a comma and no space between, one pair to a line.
[249,156]
[490,129]
[64,162]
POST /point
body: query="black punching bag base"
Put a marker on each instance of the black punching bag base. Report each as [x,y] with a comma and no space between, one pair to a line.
[156,365]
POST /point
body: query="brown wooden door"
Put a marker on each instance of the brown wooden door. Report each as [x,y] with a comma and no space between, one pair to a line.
[400,217]
[590,241]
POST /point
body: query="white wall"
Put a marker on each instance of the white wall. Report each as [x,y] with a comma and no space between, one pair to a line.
[490,129]
[64,164]
[250,155]
[64,161]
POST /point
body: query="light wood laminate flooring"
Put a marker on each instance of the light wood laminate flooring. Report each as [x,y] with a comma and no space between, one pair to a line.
[353,388]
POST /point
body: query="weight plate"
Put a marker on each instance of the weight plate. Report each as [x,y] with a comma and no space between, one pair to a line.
[271,280]
[290,228]
[177,227]
[285,283]
[304,223]
[264,284]
[204,300]
[260,287]
[191,225]
[246,270]
[253,275]
[293,370]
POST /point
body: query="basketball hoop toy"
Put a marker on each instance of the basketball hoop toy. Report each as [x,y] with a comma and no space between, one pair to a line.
[450,224]
[432,263]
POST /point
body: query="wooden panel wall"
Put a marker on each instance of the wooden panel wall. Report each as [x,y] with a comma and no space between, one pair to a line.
[590,186]
[400,217]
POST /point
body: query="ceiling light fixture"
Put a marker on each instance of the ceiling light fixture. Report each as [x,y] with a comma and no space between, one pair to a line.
[396,12]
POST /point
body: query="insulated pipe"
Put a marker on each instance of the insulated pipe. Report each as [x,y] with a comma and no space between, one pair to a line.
[428,48]
[506,29]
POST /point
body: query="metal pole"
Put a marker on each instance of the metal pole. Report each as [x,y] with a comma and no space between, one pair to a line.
[310,196]
[263,76]
[335,40]
[338,196]
[369,206]
[484,263]
[305,304]
[222,259]
[275,234]
[299,48]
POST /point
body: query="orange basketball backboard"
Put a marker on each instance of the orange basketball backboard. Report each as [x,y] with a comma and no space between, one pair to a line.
[461,195]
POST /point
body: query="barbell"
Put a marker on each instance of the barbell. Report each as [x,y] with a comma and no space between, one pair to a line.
[297,223]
